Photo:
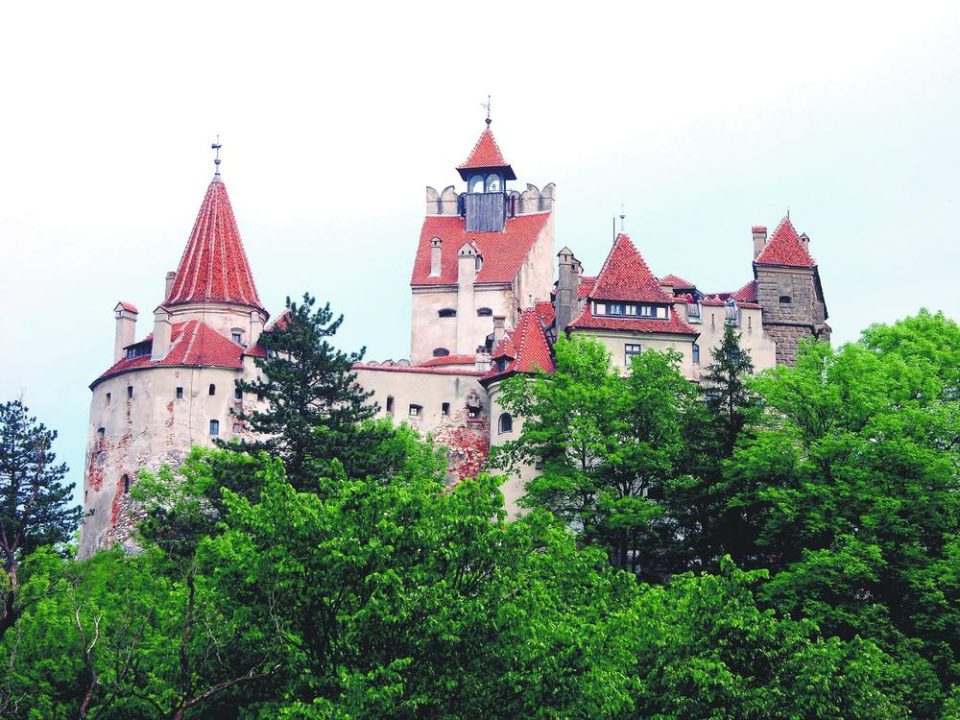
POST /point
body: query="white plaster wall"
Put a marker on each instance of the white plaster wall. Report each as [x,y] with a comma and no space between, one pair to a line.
[430,331]
[146,431]
[534,282]
[514,482]
[762,348]
[615,343]
[222,318]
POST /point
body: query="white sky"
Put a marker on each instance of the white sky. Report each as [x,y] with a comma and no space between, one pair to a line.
[703,119]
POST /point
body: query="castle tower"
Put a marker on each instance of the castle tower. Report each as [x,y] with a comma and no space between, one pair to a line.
[483,253]
[174,388]
[788,289]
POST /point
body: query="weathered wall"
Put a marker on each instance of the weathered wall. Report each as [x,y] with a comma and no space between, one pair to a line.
[429,330]
[145,431]
[515,481]
[787,322]
[753,336]
[615,343]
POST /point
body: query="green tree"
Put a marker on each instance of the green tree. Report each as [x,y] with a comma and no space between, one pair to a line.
[34,501]
[315,409]
[852,480]
[607,444]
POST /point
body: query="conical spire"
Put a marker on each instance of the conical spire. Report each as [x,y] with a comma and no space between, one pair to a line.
[214,266]
[486,155]
[626,277]
[786,248]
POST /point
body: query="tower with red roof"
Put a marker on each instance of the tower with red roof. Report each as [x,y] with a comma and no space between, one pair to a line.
[484,252]
[787,287]
[173,388]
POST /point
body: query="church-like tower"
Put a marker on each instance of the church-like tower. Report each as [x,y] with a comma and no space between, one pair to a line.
[484,253]
[175,388]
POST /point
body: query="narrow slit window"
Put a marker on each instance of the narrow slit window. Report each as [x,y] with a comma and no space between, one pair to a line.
[179,393]
[214,427]
[126,484]
[129,391]
[213,389]
[389,404]
[445,409]
[108,398]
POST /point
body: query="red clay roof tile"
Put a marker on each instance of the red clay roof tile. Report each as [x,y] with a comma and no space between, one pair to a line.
[785,248]
[673,326]
[449,360]
[214,266]
[503,252]
[626,277]
[677,282]
[526,347]
[486,154]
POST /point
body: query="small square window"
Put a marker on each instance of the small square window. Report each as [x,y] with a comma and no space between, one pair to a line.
[785,299]
[214,427]
[236,337]
[238,394]
[179,393]
[415,410]
[631,309]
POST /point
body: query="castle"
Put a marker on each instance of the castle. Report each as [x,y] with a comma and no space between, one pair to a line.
[485,306]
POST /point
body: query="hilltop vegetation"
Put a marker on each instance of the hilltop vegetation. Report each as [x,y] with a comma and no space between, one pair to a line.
[783,546]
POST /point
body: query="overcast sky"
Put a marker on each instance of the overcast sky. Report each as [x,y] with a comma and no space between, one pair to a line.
[701,119]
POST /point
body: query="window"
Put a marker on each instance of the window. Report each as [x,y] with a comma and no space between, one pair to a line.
[693,312]
[785,299]
[445,409]
[108,398]
[476,184]
[101,432]
[447,312]
[129,391]
[126,483]
[732,316]
[473,413]
[440,352]
[416,410]
[214,427]
[237,394]
[484,312]
[389,404]
[179,393]
[236,427]
[629,350]
[505,424]
[213,389]
[614,308]
[493,183]
[237,337]
[631,309]
[260,396]
[648,311]
[696,354]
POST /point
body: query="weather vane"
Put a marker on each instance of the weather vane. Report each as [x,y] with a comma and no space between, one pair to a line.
[623,216]
[488,105]
[216,160]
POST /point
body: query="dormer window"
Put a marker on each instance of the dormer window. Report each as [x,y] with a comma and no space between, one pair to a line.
[237,336]
[693,312]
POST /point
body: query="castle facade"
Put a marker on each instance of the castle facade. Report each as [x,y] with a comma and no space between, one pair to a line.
[489,299]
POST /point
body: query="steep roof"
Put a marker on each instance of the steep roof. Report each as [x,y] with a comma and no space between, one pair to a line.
[214,266]
[192,344]
[675,325]
[785,248]
[748,293]
[486,155]
[503,252]
[449,360]
[677,282]
[626,277]
[526,348]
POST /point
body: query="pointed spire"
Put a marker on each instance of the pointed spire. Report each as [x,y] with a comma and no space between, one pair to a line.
[214,266]
[486,155]
[626,277]
[785,247]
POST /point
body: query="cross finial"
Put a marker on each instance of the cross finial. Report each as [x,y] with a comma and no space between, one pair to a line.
[488,105]
[216,160]
[623,216]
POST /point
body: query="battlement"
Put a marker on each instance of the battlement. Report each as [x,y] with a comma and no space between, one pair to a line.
[531,200]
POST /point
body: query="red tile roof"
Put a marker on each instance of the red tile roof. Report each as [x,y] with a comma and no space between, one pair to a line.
[586,285]
[449,360]
[785,248]
[677,282]
[674,326]
[486,155]
[626,277]
[715,300]
[748,293]
[416,369]
[192,344]
[503,252]
[129,307]
[214,266]
[545,312]
[526,347]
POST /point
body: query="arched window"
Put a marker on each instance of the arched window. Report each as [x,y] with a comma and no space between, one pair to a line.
[696,354]
[493,183]
[505,425]
[101,432]
[447,312]
[440,352]
[484,312]
[126,483]
[476,184]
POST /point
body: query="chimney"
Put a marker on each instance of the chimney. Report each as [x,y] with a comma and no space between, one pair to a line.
[805,239]
[256,327]
[759,240]
[126,315]
[435,257]
[168,286]
[568,286]
[498,331]
[161,333]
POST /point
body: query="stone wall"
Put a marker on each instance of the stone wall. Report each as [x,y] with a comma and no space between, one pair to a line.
[792,308]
